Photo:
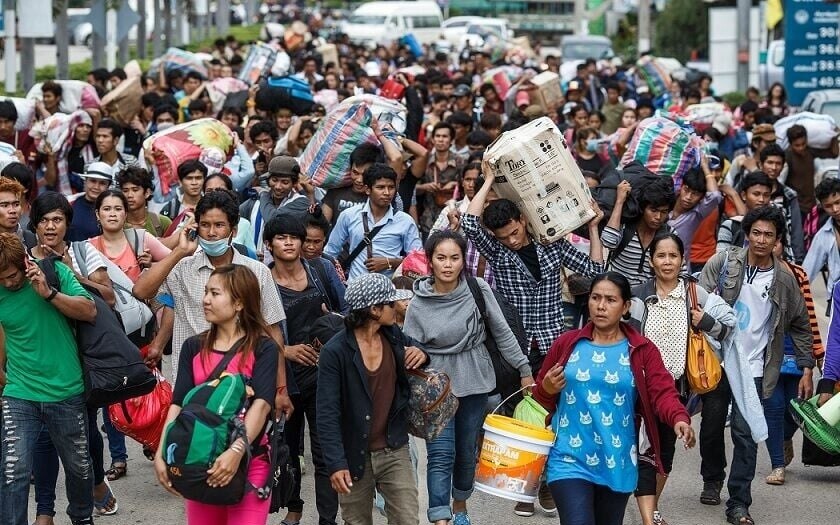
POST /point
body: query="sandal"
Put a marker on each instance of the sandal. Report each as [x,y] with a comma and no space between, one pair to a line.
[777,477]
[107,506]
[116,471]
[740,517]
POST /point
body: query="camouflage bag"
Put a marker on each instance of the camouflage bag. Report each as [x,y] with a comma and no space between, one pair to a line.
[432,403]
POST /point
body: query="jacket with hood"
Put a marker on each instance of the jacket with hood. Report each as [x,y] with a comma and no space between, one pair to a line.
[658,398]
[725,272]
[450,329]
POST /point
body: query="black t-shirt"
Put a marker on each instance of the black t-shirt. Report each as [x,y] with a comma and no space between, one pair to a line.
[594,164]
[528,254]
[340,199]
[263,376]
[302,308]
[84,225]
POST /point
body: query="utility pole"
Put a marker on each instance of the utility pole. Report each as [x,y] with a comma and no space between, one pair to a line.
[62,40]
[223,17]
[156,31]
[644,26]
[743,11]
[142,30]
[10,53]
[581,21]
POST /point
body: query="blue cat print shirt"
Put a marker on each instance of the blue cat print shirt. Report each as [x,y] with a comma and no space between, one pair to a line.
[594,421]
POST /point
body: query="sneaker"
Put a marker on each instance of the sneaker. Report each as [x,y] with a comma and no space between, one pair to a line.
[546,500]
[657,518]
[461,518]
[711,493]
[524,509]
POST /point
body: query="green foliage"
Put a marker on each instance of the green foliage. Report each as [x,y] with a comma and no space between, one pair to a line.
[626,40]
[245,34]
[734,98]
[682,26]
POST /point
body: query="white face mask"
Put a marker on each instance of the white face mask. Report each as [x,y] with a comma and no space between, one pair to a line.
[164,125]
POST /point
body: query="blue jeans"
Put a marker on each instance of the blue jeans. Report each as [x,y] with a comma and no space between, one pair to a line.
[451,457]
[66,422]
[116,440]
[581,502]
[780,424]
[45,466]
[744,452]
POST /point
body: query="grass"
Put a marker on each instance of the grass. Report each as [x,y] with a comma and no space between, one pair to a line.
[78,70]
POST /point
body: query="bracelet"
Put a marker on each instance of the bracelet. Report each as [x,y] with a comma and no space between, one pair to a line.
[281,389]
[250,103]
[238,447]
[52,295]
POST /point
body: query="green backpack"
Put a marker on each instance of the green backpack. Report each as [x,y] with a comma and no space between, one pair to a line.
[208,423]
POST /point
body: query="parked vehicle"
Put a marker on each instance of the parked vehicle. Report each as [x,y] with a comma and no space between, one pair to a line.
[375,22]
[577,49]
[823,102]
[456,27]
[771,65]
[482,31]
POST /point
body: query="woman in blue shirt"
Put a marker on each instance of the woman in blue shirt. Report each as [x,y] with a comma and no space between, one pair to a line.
[593,379]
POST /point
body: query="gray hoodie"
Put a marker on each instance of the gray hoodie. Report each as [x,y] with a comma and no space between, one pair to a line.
[449,328]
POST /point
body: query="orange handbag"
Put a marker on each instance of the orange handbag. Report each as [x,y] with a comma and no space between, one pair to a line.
[702,365]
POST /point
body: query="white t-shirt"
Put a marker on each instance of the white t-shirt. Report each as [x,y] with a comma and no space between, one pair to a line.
[93,259]
[754,309]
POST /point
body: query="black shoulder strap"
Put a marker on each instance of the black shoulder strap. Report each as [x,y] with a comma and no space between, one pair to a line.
[627,232]
[365,242]
[478,296]
[322,281]
[48,267]
[229,355]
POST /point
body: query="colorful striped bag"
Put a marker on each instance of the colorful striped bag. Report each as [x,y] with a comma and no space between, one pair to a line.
[654,75]
[665,148]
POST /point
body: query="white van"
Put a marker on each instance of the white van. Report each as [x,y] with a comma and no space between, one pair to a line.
[378,22]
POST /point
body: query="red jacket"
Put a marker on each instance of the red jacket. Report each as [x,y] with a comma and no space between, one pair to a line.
[658,397]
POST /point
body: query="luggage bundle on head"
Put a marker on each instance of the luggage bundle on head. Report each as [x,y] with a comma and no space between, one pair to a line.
[177,60]
[654,74]
[123,103]
[178,144]
[432,403]
[665,148]
[219,89]
[821,128]
[51,132]
[258,63]
[26,112]
[703,116]
[206,426]
[326,159]
[75,94]
[112,366]
[639,178]
[287,92]
[388,112]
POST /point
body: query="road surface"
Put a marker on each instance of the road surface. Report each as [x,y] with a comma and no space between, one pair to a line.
[45,56]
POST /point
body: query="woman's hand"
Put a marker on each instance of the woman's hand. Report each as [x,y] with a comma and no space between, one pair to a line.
[145,259]
[696,317]
[526,382]
[684,431]
[163,473]
[554,380]
[224,468]
[414,357]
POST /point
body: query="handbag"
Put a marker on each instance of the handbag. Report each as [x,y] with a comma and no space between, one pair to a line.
[283,477]
[143,418]
[702,364]
[432,403]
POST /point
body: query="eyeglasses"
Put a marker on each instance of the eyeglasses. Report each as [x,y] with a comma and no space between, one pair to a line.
[714,162]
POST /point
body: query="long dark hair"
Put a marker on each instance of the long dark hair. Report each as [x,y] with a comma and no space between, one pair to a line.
[243,286]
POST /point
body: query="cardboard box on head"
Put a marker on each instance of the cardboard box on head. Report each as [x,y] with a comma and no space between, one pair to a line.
[549,92]
[533,167]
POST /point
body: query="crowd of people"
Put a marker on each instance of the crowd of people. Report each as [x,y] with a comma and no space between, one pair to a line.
[318,297]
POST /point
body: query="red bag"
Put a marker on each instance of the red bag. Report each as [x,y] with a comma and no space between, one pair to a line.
[142,418]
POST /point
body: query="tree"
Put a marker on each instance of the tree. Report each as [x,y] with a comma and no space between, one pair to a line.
[682,27]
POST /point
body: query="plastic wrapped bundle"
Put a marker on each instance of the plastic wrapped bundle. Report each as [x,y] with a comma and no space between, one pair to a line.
[173,146]
[664,147]
[821,129]
[702,116]
[26,112]
[654,74]
[123,102]
[51,132]
[178,59]
[219,89]
[75,94]
[326,160]
[388,112]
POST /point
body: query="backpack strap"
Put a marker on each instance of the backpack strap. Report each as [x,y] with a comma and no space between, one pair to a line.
[366,242]
[229,355]
[322,282]
[627,232]
[724,271]
[156,224]
[478,296]
[137,240]
[80,252]
[47,266]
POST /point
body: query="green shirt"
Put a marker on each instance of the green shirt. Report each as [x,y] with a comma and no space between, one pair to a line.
[42,360]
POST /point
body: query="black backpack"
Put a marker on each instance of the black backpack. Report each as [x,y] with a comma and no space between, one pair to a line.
[112,366]
[507,377]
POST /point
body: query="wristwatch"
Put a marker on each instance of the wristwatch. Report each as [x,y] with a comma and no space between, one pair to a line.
[52,295]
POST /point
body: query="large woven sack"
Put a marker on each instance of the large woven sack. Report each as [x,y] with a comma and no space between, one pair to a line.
[26,112]
[53,131]
[123,102]
[821,128]
[388,112]
[664,147]
[219,89]
[654,74]
[178,144]
[75,94]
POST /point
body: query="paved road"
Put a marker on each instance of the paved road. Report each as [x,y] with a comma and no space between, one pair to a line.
[45,56]
[811,495]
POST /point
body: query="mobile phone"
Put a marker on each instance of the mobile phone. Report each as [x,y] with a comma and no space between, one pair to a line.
[192,234]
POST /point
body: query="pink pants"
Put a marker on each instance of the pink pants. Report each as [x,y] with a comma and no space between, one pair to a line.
[250,511]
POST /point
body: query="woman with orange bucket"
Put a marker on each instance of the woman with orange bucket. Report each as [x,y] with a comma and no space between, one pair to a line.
[590,383]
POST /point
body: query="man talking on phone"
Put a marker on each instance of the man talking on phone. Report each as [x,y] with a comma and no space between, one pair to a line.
[35,329]
[184,273]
